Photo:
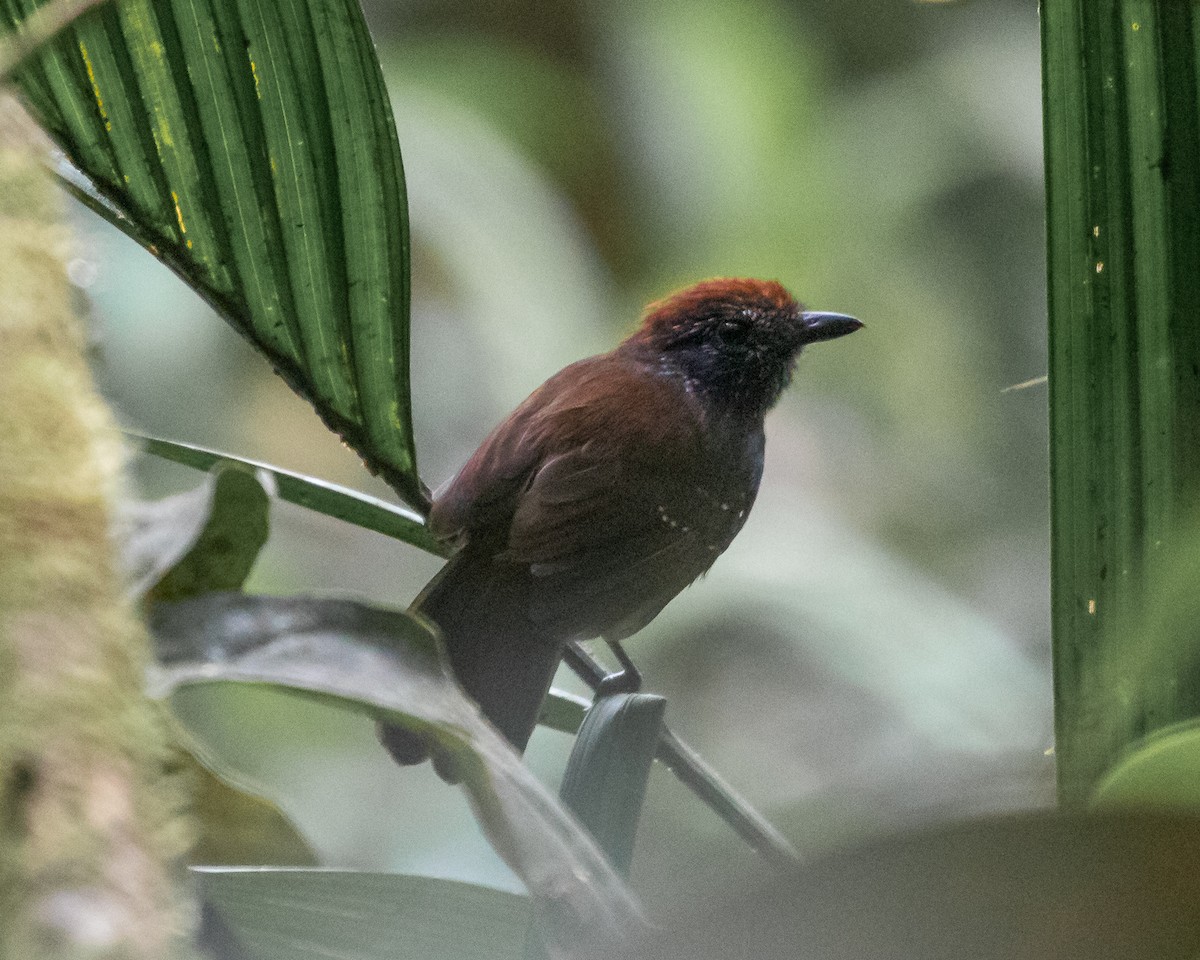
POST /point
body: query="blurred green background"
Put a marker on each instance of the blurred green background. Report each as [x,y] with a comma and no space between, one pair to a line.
[873,650]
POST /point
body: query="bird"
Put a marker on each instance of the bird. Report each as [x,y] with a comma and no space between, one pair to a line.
[610,489]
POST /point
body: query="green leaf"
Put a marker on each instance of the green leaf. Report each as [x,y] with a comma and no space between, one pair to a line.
[318,914]
[204,540]
[1161,773]
[249,144]
[605,780]
[388,666]
[1122,119]
[237,825]
[1149,659]
[37,30]
[328,498]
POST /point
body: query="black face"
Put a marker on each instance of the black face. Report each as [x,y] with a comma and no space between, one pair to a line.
[743,356]
[735,340]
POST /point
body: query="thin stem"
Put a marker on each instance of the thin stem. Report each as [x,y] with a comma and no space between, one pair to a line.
[695,774]
[330,499]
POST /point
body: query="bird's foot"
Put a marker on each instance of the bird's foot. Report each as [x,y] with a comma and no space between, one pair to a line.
[620,681]
[626,680]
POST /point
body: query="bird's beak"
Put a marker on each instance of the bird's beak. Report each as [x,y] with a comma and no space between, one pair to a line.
[819,325]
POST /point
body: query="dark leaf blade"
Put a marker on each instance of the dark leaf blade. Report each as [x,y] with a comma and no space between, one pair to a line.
[250,144]
[606,777]
[387,665]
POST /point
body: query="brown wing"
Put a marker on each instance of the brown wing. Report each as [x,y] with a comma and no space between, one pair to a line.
[584,404]
[483,494]
[609,543]
[615,525]
[601,486]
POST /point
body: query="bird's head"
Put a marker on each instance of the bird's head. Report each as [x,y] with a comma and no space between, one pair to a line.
[734,340]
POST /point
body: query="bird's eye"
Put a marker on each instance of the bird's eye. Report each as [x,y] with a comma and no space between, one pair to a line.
[731,332]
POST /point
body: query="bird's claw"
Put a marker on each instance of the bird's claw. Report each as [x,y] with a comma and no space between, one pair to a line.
[626,680]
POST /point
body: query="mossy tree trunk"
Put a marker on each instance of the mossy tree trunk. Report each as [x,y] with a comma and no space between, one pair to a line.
[91,830]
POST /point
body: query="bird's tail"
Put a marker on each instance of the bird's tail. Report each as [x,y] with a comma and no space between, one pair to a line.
[499,657]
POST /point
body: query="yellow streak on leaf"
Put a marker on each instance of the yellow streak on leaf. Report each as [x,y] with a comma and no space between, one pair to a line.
[179,215]
[87,63]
